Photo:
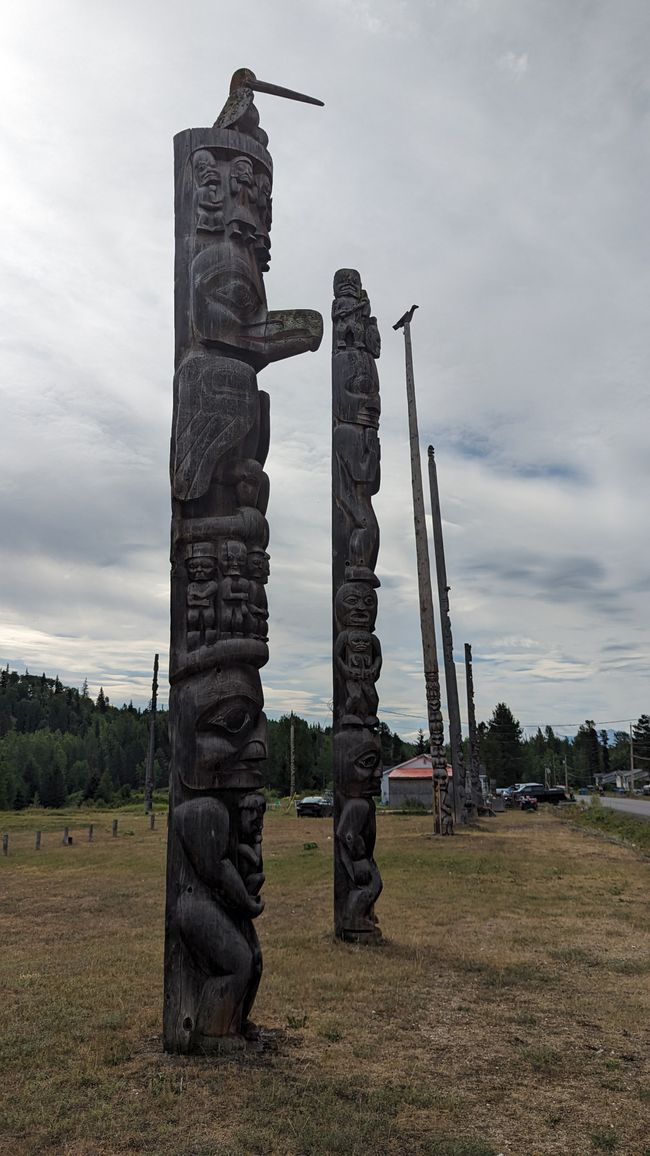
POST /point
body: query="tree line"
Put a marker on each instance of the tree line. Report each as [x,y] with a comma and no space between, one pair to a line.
[510,757]
[59,746]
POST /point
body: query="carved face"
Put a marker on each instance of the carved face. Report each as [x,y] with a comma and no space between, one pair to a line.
[347,283]
[232,556]
[258,565]
[222,731]
[241,171]
[206,169]
[251,817]
[247,478]
[356,605]
[201,569]
[357,762]
[360,641]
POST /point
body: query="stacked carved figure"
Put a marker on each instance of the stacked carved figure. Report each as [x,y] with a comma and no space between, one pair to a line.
[225,335]
[356,648]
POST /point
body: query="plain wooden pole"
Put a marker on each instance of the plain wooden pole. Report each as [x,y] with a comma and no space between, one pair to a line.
[114,829]
[37,841]
[5,843]
[474,757]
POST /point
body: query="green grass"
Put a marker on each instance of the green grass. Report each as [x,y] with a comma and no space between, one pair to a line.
[462,1036]
[630,829]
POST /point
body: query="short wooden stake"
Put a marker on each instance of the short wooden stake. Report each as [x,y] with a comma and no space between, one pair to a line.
[5,843]
[37,841]
[66,838]
[152,821]
[90,833]
[114,828]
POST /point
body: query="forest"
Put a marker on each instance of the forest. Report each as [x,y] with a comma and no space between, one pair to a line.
[59,746]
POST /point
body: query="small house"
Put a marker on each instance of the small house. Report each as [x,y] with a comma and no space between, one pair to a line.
[412,781]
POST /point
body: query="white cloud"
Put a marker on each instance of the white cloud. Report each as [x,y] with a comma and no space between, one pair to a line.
[517,224]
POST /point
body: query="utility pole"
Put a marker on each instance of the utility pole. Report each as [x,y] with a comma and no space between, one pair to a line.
[151,750]
[474,758]
[455,733]
[292,758]
[443,815]
[566,776]
[631,759]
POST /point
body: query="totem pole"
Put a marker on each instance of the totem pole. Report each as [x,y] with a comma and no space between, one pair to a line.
[443,802]
[225,335]
[474,756]
[356,649]
[463,808]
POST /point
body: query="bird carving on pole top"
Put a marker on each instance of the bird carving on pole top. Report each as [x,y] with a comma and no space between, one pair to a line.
[239,111]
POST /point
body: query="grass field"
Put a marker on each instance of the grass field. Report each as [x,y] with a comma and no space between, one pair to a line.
[509,1011]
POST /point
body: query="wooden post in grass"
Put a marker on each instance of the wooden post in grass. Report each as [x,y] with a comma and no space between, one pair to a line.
[225,335]
[152,821]
[5,843]
[356,649]
[151,749]
[90,833]
[443,811]
[114,828]
[66,839]
[37,841]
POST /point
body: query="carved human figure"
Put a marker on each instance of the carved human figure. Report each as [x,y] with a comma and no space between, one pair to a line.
[350,310]
[258,574]
[243,219]
[209,192]
[233,589]
[356,834]
[202,590]
[214,908]
[358,655]
[357,769]
[249,858]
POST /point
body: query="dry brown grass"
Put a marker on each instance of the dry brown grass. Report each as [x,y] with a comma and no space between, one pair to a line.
[508,1013]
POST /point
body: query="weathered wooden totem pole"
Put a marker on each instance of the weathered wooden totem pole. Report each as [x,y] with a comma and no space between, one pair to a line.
[225,334]
[356,649]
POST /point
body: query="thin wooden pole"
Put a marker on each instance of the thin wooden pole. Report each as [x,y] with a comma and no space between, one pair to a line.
[442,809]
[455,733]
[151,750]
[292,758]
[5,843]
[37,841]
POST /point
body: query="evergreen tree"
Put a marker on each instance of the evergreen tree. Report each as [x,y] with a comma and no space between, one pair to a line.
[421,744]
[502,747]
[641,741]
[587,751]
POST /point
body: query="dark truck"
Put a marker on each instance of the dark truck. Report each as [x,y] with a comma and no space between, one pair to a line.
[541,794]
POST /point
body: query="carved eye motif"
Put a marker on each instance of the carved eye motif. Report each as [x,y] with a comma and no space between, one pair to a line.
[368,761]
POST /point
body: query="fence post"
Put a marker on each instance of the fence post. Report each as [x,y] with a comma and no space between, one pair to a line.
[5,843]
[37,841]
[114,828]
[66,838]
[152,821]
[90,833]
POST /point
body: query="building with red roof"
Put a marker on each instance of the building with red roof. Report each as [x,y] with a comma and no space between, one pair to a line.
[410,781]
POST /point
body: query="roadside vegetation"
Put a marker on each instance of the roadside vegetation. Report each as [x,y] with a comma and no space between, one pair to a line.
[507,1012]
[619,825]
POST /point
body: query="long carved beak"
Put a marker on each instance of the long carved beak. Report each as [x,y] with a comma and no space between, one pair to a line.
[275,90]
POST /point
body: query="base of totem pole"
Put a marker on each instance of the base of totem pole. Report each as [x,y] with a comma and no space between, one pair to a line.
[365,938]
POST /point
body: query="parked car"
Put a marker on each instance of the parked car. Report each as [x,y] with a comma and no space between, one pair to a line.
[315,807]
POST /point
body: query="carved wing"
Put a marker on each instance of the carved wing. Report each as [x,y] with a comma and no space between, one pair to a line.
[217,407]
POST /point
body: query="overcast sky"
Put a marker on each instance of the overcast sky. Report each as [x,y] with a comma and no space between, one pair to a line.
[487,159]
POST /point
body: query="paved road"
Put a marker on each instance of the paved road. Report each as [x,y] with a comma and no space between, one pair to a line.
[634,806]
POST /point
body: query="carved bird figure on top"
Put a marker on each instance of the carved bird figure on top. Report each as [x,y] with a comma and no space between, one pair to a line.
[239,111]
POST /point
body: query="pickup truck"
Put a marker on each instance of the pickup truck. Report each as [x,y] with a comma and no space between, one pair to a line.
[542,794]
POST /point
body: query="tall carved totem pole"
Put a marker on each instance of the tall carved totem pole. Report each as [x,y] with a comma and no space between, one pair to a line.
[356,648]
[225,335]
